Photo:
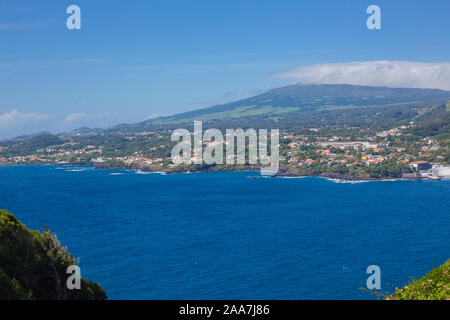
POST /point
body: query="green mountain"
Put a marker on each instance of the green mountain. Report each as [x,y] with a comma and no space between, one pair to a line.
[299,102]
[27,145]
[290,107]
[33,265]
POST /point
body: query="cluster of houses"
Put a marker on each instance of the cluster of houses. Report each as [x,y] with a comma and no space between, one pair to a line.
[369,152]
[352,144]
[430,170]
[343,150]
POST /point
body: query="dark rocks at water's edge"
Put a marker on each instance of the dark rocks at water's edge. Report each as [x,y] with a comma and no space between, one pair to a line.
[283,172]
[199,169]
[344,177]
[33,265]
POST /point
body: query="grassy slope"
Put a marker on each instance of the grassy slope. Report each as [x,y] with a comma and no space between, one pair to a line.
[434,286]
[33,265]
[307,98]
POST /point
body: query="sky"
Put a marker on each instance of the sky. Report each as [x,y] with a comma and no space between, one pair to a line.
[133,60]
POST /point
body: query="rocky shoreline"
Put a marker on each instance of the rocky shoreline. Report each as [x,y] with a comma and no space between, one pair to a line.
[283,172]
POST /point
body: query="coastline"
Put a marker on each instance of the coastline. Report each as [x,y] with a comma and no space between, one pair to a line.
[283,172]
[345,178]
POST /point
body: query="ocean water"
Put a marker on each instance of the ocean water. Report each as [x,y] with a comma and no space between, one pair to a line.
[229,236]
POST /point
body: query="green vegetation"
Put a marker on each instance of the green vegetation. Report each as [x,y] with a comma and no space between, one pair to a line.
[33,144]
[434,286]
[33,265]
[391,129]
[300,99]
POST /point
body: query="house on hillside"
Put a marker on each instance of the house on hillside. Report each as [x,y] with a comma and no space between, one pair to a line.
[421,165]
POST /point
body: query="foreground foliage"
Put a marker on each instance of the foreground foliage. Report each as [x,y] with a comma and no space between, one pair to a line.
[33,265]
[434,286]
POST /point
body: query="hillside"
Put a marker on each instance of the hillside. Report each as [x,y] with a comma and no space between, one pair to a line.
[294,106]
[26,145]
[301,102]
[402,126]
[33,265]
[434,286]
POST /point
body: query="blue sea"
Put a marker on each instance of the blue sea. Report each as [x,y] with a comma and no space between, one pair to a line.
[226,235]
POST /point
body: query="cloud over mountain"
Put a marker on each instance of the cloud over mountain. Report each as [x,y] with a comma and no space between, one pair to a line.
[15,122]
[395,74]
[15,118]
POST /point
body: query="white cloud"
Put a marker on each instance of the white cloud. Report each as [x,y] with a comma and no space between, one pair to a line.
[26,25]
[154,116]
[17,118]
[92,120]
[75,117]
[15,123]
[89,119]
[397,74]
[13,26]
